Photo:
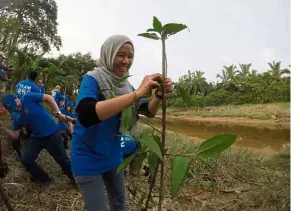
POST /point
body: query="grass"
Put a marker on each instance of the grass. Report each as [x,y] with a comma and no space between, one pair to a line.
[252,111]
[240,180]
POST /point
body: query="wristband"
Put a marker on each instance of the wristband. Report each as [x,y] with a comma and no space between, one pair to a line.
[57,113]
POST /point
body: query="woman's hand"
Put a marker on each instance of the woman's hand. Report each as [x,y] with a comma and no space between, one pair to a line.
[148,83]
[169,86]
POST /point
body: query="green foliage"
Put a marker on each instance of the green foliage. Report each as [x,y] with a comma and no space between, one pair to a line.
[158,27]
[214,145]
[180,168]
[38,23]
[209,148]
[149,35]
[161,32]
[172,28]
[126,120]
[125,162]
[236,87]
[147,141]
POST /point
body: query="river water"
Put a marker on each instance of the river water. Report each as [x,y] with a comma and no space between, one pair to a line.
[263,139]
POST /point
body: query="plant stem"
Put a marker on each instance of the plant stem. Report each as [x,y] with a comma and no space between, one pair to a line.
[146,122]
[152,187]
[164,107]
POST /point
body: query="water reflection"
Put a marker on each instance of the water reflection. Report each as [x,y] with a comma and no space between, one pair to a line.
[251,137]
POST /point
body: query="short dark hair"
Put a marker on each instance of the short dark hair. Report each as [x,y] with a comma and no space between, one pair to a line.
[32,75]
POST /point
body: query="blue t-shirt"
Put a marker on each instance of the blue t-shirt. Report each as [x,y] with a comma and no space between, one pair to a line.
[128,145]
[95,149]
[35,116]
[62,125]
[57,96]
[15,118]
[42,89]
[67,101]
[26,86]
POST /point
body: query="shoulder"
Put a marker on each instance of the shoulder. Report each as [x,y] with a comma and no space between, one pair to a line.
[32,95]
[88,81]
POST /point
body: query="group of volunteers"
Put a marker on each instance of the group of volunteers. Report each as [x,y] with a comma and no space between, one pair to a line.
[96,150]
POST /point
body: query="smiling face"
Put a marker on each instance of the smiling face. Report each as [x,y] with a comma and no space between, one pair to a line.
[123,59]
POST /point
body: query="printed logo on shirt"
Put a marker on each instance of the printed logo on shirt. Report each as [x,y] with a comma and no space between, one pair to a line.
[122,142]
[23,89]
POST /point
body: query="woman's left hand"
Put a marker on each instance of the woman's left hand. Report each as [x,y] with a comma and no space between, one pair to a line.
[169,86]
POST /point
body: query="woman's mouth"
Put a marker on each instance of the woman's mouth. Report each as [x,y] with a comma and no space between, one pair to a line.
[123,68]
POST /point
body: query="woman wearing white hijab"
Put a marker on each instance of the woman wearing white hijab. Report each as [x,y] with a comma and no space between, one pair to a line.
[95,152]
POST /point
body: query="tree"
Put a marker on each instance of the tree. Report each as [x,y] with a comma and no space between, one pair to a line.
[37,23]
[275,70]
[244,70]
[228,73]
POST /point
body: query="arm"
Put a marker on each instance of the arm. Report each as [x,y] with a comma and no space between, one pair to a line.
[91,110]
[154,105]
[13,134]
[108,108]
[51,102]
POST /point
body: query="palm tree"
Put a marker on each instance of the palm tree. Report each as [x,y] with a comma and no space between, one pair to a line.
[198,84]
[228,73]
[275,70]
[194,82]
[244,70]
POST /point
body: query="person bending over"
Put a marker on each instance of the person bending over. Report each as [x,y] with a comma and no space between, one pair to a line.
[44,133]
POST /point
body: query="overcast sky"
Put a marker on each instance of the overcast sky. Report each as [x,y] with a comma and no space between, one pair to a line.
[221,33]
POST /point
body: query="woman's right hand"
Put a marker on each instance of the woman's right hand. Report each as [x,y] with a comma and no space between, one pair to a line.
[148,83]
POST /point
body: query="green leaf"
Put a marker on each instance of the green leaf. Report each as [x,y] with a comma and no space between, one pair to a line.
[103,90]
[158,140]
[215,145]
[121,80]
[172,28]
[136,165]
[125,162]
[180,168]
[151,30]
[206,163]
[152,157]
[146,139]
[206,183]
[126,121]
[149,35]
[158,27]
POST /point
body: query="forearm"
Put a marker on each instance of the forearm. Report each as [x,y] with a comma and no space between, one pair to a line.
[12,134]
[154,105]
[108,108]
[51,102]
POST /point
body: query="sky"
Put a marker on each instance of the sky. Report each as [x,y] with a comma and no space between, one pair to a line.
[221,33]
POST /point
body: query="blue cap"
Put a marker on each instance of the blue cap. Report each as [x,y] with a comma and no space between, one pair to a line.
[8,102]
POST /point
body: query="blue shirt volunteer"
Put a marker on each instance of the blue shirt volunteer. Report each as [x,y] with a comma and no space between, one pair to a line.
[26,86]
[34,115]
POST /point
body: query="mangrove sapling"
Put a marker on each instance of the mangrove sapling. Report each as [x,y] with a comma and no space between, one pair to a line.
[152,147]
